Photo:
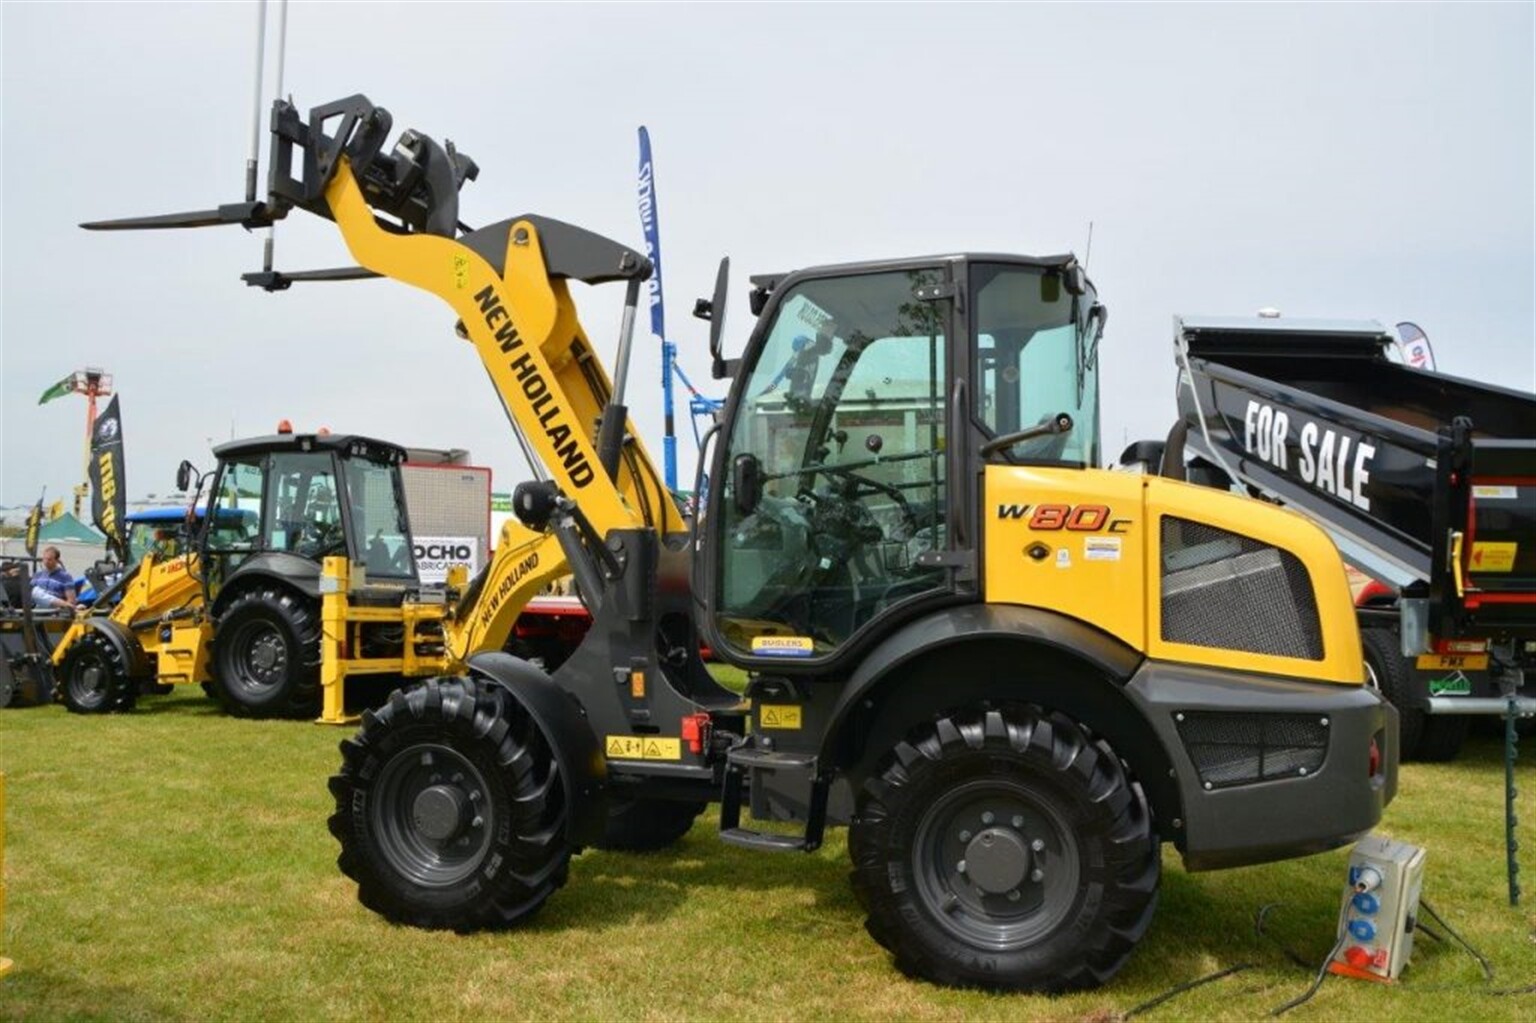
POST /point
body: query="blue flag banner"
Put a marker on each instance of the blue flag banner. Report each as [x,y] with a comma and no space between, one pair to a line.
[648,223]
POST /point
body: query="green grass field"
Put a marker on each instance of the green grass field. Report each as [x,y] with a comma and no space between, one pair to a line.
[174,864]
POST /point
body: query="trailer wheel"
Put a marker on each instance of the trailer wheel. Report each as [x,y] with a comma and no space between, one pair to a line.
[450,809]
[1005,849]
[266,660]
[96,678]
[1388,671]
[1442,737]
[646,825]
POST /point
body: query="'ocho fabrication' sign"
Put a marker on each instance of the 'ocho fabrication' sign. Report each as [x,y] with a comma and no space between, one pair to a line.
[435,554]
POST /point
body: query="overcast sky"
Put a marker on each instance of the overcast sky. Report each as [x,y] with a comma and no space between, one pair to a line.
[1337,160]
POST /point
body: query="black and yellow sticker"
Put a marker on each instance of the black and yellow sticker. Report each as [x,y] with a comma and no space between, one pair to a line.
[642,747]
[778,715]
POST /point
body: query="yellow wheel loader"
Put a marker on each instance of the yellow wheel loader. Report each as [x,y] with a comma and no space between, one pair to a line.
[1010,674]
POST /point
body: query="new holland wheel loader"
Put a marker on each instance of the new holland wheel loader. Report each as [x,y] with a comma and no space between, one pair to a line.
[1009,674]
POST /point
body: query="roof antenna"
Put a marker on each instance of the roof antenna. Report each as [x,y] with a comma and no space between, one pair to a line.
[1087,252]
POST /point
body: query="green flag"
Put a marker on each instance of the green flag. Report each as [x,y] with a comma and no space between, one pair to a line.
[58,390]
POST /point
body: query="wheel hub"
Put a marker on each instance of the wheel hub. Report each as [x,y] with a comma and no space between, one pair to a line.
[997,860]
[266,653]
[438,812]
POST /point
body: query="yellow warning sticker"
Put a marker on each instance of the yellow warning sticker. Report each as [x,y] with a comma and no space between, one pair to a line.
[778,715]
[460,271]
[783,646]
[642,747]
[1452,662]
[1494,557]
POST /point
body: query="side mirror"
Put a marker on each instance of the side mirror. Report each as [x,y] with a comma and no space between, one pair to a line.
[1076,279]
[184,473]
[713,310]
[1098,316]
[746,483]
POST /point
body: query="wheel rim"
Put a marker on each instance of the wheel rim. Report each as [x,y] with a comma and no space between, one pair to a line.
[88,680]
[999,867]
[261,658]
[432,814]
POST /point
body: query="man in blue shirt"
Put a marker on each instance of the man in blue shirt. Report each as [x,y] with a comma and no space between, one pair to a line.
[53,586]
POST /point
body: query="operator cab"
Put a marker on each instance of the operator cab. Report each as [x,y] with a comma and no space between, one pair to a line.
[853,448]
[288,501]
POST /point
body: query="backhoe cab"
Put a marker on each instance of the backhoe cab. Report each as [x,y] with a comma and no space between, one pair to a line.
[239,608]
[1009,673]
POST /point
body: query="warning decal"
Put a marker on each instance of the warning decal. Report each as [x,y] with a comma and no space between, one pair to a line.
[642,747]
[786,716]
[1494,557]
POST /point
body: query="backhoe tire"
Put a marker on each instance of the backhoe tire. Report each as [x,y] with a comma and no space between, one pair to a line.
[266,655]
[647,825]
[450,809]
[1004,848]
[1391,674]
[94,677]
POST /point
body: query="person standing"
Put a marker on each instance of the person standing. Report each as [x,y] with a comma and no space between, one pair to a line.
[53,586]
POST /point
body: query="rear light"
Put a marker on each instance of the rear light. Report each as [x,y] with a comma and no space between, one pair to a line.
[695,732]
[1374,760]
[1461,646]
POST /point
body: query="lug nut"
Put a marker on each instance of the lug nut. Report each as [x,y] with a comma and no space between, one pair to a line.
[960,867]
[1018,820]
[1038,845]
[965,836]
[1015,895]
[1037,875]
[988,817]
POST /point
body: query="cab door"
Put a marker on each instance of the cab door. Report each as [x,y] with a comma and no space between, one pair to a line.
[834,506]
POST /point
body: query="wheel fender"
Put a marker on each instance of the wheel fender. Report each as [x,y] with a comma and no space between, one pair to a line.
[953,633]
[564,722]
[285,571]
[122,641]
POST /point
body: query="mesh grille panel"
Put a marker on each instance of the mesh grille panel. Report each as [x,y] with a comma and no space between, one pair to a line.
[1239,749]
[1224,590]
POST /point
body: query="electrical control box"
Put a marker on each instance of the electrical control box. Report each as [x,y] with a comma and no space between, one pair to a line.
[1381,908]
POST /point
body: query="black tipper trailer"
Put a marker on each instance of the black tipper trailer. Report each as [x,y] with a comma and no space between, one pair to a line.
[1425,481]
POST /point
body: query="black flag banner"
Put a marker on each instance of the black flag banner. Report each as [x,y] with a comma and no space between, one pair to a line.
[109,498]
[34,523]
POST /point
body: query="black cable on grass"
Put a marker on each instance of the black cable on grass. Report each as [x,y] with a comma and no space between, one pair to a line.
[1317,982]
[1475,954]
[1153,1003]
[1258,929]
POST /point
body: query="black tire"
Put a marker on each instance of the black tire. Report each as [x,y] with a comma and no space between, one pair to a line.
[1049,892]
[1391,674]
[266,655]
[450,809]
[1442,737]
[646,825]
[95,677]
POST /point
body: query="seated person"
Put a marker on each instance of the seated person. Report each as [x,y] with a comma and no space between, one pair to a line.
[53,586]
[10,582]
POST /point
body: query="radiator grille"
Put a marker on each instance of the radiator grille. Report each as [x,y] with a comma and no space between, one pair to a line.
[1240,749]
[1221,589]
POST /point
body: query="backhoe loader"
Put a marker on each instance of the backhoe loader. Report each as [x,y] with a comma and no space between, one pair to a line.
[1010,674]
[249,609]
